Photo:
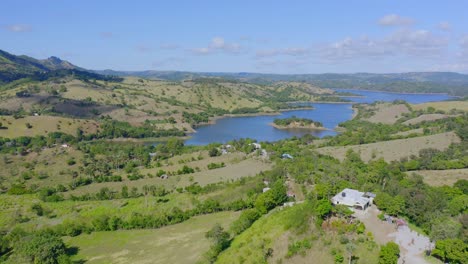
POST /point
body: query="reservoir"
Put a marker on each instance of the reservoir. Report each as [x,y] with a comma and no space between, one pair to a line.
[330,114]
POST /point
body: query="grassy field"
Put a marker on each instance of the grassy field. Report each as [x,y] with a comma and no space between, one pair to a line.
[426,117]
[444,106]
[47,168]
[41,125]
[387,113]
[180,243]
[394,149]
[442,177]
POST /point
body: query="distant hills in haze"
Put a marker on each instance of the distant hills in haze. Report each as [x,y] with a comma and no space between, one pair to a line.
[13,67]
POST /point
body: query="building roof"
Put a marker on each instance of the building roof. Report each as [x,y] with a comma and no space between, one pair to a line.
[350,197]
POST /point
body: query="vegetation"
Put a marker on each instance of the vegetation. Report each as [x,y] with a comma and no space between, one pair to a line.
[296,121]
[78,177]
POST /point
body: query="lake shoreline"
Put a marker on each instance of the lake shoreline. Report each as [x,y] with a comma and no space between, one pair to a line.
[298,127]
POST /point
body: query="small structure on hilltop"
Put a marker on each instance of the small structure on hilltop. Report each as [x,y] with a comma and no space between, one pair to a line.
[286,156]
[266,189]
[354,199]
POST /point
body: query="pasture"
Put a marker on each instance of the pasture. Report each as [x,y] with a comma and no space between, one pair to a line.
[442,177]
[180,243]
[394,149]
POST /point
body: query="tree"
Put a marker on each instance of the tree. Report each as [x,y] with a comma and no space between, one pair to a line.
[323,208]
[42,247]
[451,250]
[220,240]
[214,152]
[245,220]
[445,228]
[174,145]
[389,253]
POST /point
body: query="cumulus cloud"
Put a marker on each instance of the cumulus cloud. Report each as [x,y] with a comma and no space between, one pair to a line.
[444,26]
[395,20]
[418,43]
[218,44]
[293,51]
[18,28]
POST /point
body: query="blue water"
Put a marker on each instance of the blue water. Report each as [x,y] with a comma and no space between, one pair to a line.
[257,127]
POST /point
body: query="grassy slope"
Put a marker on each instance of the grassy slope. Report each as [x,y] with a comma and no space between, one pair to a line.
[387,113]
[181,243]
[41,125]
[135,100]
[276,230]
[394,149]
[442,177]
[444,106]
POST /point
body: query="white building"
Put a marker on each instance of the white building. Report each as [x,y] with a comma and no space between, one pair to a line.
[353,198]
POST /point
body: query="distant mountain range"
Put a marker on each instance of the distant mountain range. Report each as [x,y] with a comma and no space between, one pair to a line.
[14,67]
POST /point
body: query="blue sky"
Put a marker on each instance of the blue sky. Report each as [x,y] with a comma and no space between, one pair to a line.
[242,36]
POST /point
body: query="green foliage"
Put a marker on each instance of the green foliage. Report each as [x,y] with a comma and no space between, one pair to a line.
[323,209]
[298,247]
[214,152]
[274,197]
[213,165]
[42,247]
[220,240]
[451,250]
[392,205]
[389,253]
[294,119]
[245,220]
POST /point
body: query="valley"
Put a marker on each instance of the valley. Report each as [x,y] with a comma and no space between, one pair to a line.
[106,169]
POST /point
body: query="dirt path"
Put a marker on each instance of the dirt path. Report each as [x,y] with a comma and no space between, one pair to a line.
[412,244]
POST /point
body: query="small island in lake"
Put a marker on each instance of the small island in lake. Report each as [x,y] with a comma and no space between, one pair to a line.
[296,122]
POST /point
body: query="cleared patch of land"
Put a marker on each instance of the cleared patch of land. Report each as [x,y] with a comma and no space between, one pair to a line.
[426,117]
[394,149]
[244,168]
[442,177]
[409,132]
[41,125]
[180,243]
[388,113]
[444,106]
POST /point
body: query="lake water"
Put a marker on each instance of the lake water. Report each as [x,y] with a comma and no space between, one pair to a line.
[257,127]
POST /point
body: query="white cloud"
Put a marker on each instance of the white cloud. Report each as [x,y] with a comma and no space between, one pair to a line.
[18,28]
[293,51]
[395,20]
[417,43]
[444,26]
[218,44]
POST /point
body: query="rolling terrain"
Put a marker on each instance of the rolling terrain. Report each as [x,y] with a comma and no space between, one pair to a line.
[79,184]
